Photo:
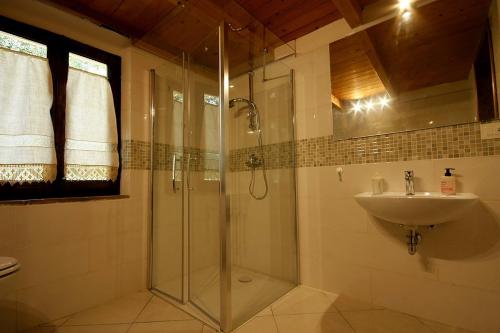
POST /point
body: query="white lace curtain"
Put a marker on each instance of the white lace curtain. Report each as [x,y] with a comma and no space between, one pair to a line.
[91,134]
[27,152]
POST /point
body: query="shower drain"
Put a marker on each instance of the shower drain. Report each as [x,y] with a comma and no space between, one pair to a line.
[245,279]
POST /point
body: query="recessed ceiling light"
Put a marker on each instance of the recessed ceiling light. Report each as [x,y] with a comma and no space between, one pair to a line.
[404,5]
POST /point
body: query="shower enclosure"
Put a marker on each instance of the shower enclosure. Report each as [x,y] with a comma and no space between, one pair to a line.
[223,217]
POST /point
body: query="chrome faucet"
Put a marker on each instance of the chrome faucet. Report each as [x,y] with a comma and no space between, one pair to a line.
[410,189]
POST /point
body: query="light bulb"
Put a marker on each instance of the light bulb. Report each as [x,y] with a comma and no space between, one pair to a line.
[404,5]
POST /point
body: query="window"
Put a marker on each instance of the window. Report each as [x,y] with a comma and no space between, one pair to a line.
[59,116]
[210,138]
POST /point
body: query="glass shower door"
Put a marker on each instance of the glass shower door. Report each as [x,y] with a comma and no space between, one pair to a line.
[260,182]
[167,180]
[204,179]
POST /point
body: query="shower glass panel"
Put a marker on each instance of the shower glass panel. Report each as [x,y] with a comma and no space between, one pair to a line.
[261,179]
[167,184]
[204,177]
[224,232]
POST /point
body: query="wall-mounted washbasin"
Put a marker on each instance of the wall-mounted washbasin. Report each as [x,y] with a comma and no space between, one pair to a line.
[420,209]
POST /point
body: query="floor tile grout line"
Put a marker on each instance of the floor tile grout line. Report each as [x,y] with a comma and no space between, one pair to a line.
[365,310]
[347,321]
[420,320]
[96,324]
[166,321]
[64,321]
[275,321]
[141,311]
[303,313]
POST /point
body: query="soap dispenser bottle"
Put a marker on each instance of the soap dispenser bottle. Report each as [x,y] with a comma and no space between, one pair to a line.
[448,183]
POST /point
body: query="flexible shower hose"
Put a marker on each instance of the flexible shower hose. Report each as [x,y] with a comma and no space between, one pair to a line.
[251,186]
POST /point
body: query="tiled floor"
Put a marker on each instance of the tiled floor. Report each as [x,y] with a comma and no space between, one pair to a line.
[304,310]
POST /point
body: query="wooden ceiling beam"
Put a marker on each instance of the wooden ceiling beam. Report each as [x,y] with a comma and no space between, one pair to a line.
[373,56]
[351,11]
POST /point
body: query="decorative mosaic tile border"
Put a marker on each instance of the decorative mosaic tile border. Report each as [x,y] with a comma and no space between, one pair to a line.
[136,155]
[277,156]
[457,141]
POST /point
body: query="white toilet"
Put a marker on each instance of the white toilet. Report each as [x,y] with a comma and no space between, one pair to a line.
[8,269]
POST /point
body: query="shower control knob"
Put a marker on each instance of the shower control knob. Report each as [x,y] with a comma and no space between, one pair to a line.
[253,161]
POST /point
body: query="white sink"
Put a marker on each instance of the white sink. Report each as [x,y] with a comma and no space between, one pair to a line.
[423,208]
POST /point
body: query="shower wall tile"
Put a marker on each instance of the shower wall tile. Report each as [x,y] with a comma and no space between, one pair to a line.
[347,251]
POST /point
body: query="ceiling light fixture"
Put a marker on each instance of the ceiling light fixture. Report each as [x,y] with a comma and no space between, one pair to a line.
[404,5]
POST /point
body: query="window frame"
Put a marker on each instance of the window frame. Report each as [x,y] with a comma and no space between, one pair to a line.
[58,49]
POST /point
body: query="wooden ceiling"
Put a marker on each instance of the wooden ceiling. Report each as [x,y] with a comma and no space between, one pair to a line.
[167,27]
[293,18]
[438,45]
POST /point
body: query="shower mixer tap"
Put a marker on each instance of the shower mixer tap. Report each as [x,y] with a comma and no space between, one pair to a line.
[253,161]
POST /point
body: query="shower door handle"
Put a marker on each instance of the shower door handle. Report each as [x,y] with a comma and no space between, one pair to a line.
[174,167]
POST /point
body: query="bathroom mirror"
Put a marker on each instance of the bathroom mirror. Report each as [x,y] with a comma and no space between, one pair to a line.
[432,66]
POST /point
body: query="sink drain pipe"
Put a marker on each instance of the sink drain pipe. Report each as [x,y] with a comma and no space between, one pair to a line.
[414,237]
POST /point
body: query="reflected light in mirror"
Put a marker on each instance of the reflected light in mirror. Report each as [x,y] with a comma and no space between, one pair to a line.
[356,107]
[383,102]
[369,105]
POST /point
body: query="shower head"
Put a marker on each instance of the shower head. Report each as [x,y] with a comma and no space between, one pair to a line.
[252,115]
[250,104]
